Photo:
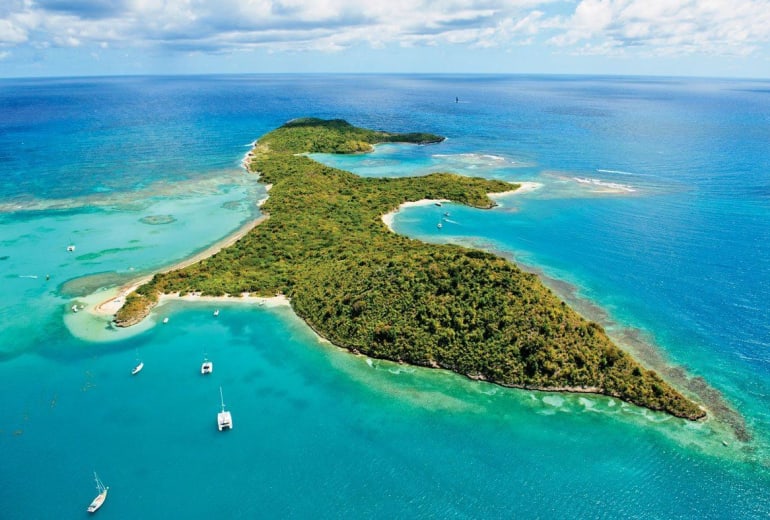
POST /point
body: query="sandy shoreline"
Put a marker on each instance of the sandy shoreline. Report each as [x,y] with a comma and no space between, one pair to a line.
[113,304]
[524,187]
[278,300]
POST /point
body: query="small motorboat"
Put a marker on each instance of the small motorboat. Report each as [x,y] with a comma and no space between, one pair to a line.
[216,313]
[165,320]
[74,308]
[138,368]
[207,367]
[70,248]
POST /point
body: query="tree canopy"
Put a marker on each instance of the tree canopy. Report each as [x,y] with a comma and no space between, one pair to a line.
[387,296]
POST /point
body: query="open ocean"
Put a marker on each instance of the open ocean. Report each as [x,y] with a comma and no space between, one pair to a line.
[652,217]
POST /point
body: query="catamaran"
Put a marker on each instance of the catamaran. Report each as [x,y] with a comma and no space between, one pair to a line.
[101,497]
[224,419]
[207,366]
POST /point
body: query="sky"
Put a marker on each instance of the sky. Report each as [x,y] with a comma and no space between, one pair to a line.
[711,38]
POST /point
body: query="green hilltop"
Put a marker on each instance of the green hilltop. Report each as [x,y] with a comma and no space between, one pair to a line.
[372,291]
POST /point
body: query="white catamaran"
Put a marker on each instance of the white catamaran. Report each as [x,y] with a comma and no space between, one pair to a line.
[224,419]
[207,366]
[101,497]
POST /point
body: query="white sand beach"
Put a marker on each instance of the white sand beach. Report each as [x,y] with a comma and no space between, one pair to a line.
[524,187]
[111,306]
[278,300]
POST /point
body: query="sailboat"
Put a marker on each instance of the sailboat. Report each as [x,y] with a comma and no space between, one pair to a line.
[140,364]
[101,497]
[224,418]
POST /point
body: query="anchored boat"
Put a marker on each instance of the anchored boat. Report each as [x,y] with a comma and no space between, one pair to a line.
[207,366]
[101,497]
[224,418]
[139,364]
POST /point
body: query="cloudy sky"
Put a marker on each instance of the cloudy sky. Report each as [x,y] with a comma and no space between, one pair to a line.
[660,37]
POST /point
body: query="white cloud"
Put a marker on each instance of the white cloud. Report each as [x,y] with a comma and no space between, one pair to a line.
[12,33]
[235,23]
[666,27]
[588,27]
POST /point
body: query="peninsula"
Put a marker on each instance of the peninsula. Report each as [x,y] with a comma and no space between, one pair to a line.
[369,290]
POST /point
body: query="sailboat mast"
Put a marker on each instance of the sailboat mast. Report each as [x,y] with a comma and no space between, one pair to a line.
[221,398]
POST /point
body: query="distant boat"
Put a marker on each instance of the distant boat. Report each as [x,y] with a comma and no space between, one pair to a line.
[216,313]
[165,320]
[101,497]
[224,419]
[439,225]
[138,368]
[207,366]
[70,248]
[74,308]
[438,204]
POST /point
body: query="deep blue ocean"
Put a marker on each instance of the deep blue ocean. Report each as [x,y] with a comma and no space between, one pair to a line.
[650,214]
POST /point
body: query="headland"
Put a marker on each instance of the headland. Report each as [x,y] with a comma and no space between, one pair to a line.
[364,288]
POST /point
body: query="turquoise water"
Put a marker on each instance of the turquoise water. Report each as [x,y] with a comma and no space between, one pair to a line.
[652,215]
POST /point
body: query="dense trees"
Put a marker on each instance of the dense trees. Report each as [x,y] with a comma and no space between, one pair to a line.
[369,290]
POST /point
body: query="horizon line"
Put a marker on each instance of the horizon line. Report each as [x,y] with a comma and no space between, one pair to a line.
[445,74]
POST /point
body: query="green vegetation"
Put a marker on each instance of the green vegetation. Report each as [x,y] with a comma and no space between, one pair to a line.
[388,296]
[311,135]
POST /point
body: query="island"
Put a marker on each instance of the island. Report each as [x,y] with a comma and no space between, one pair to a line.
[325,246]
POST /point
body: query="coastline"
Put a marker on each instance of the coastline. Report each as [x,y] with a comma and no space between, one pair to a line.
[635,341]
[524,187]
[279,300]
[387,218]
[111,305]
[273,169]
